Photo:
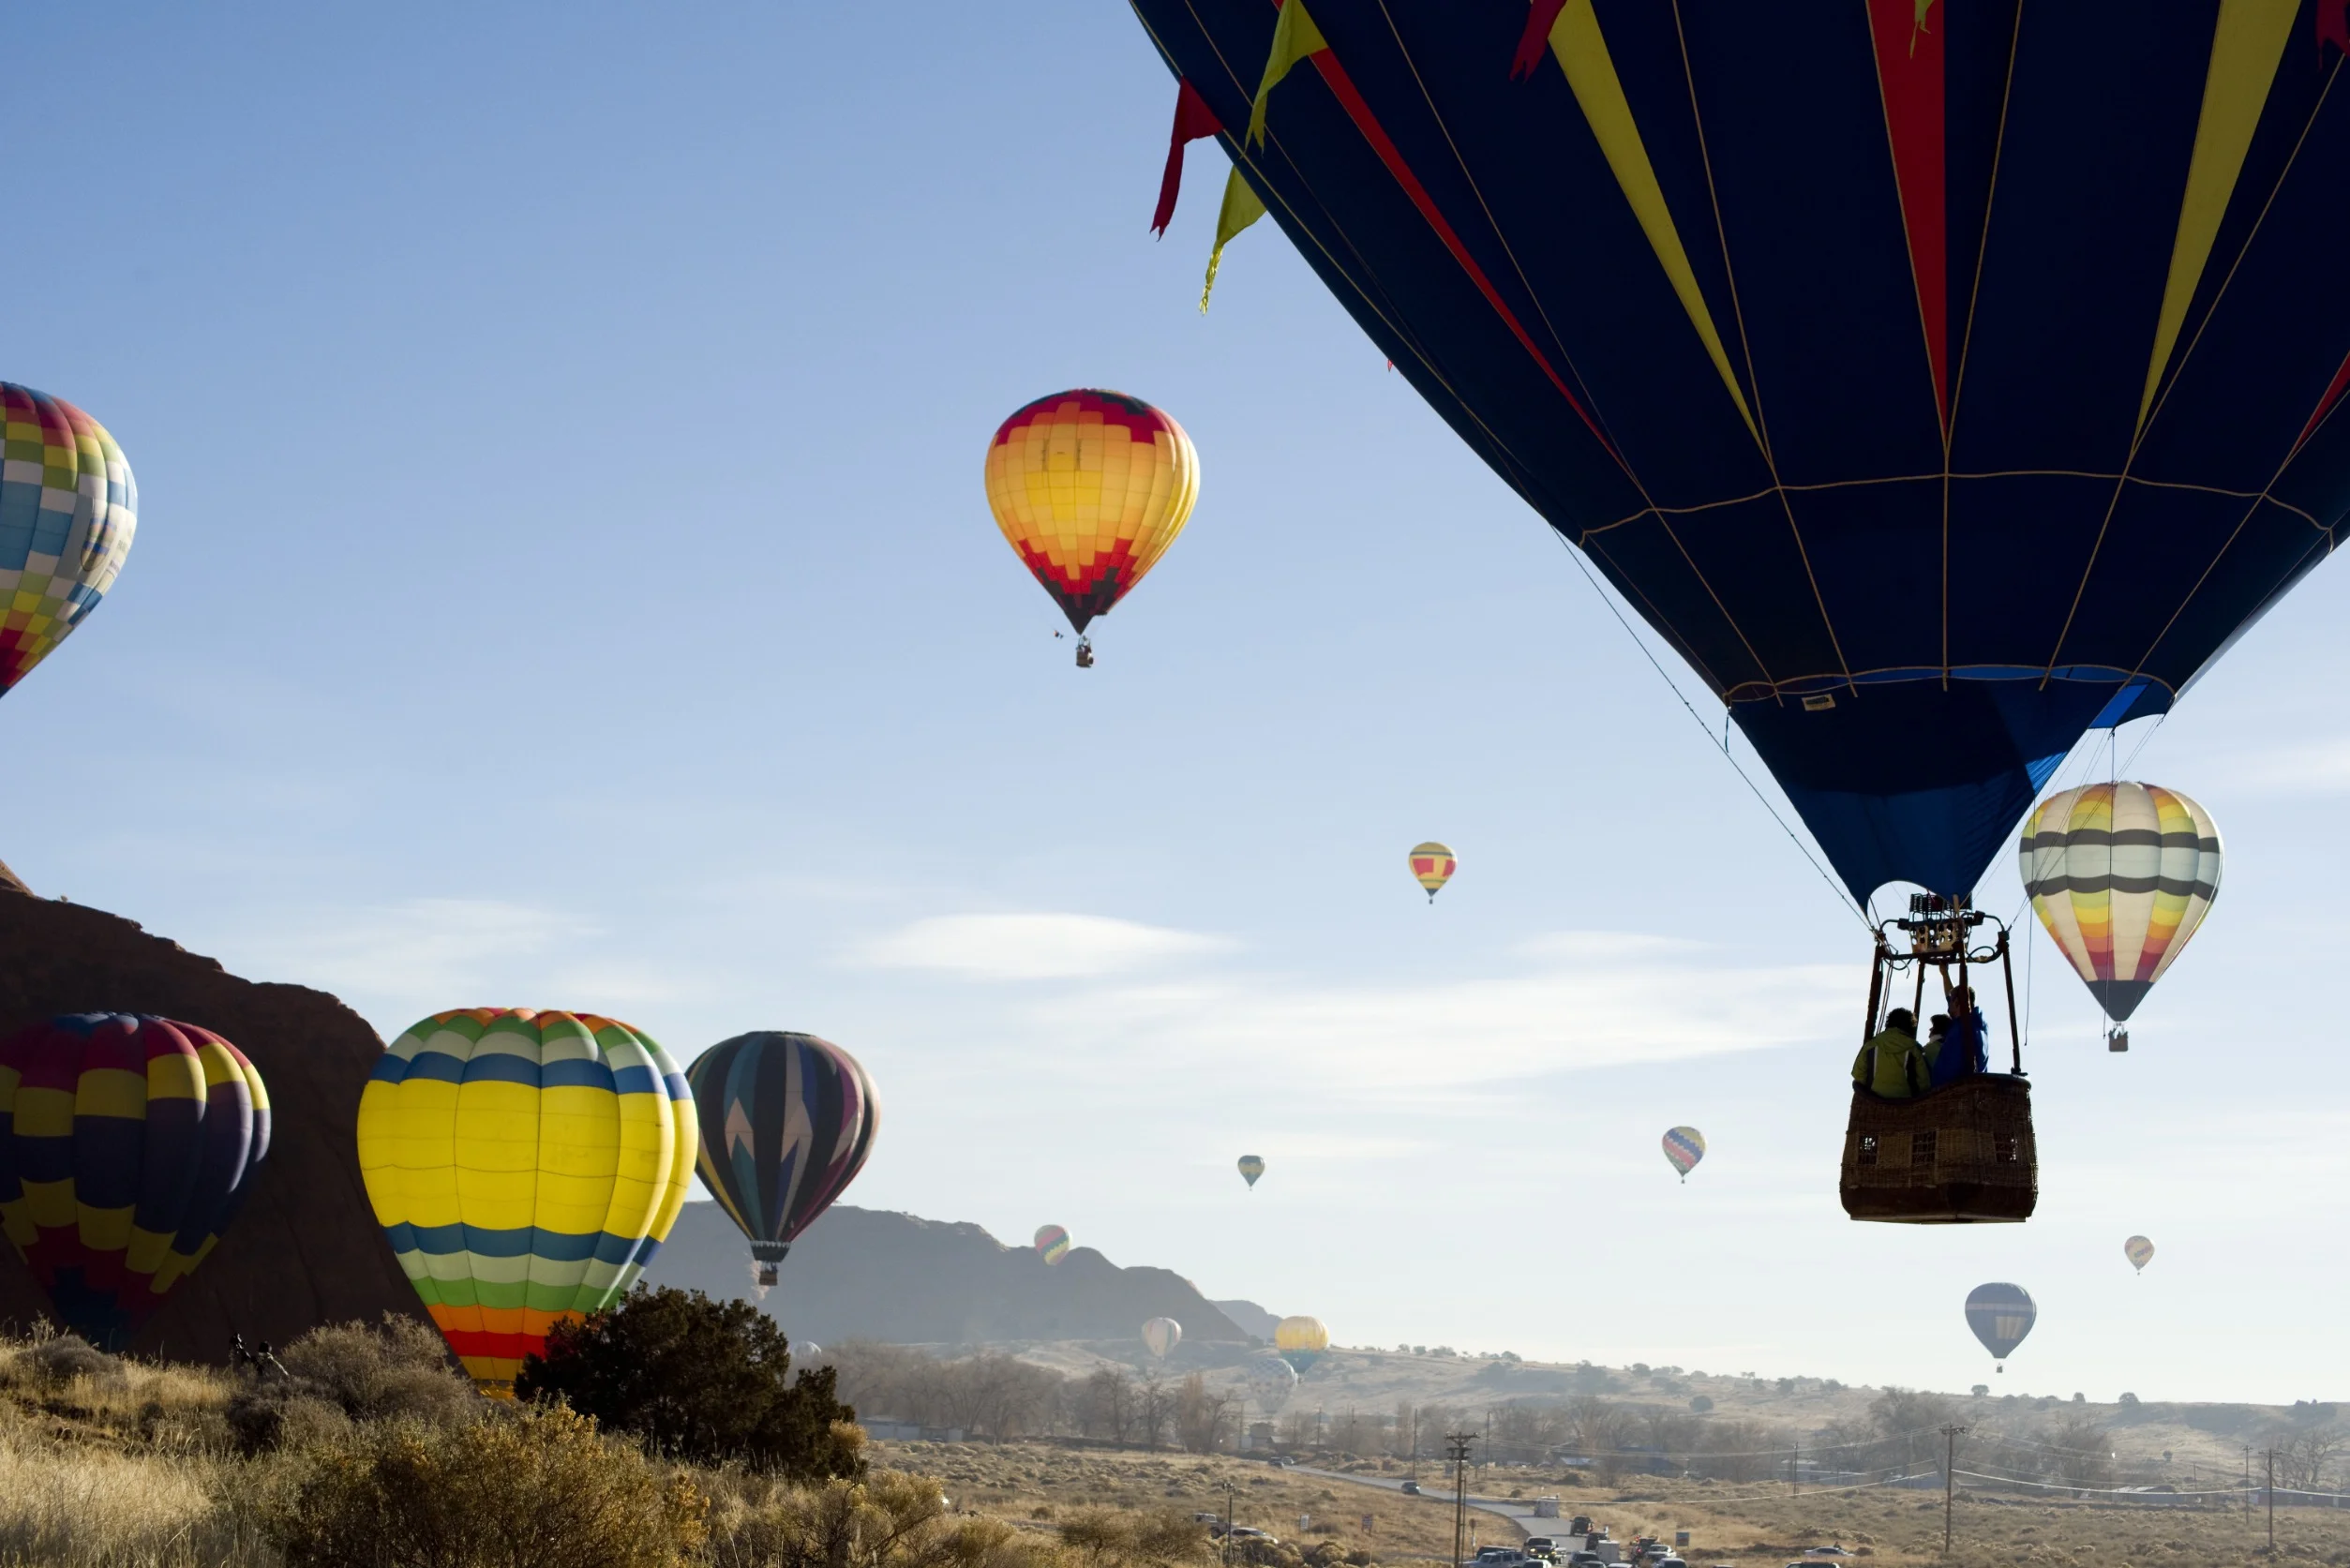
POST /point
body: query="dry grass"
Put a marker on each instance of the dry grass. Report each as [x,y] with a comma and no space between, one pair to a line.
[1045,1481]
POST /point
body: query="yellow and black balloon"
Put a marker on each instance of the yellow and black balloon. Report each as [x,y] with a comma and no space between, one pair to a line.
[128,1142]
[525,1166]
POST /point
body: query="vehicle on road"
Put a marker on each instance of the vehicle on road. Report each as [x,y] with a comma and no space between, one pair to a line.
[1411,1488]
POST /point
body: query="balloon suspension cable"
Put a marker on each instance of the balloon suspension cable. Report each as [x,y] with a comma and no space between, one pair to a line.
[1722,745]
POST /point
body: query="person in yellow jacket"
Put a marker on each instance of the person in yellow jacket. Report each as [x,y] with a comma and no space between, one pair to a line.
[1890,1064]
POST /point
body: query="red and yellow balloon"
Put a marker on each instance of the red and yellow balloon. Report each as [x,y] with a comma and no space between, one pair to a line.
[1091,487]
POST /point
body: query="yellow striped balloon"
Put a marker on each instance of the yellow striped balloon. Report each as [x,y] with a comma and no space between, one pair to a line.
[525,1166]
[1432,865]
[2121,874]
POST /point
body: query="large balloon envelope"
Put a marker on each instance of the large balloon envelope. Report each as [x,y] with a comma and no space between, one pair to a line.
[126,1144]
[1251,1167]
[1940,381]
[1161,1336]
[68,509]
[525,1166]
[787,1121]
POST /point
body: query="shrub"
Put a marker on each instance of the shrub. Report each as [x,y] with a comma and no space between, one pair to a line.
[399,1368]
[347,1373]
[700,1380]
[69,1357]
[274,1415]
[1700,1404]
[537,1488]
[887,1519]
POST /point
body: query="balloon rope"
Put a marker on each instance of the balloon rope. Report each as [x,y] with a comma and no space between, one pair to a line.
[1842,897]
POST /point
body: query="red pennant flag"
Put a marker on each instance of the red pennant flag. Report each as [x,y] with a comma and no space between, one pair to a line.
[1545,16]
[2333,24]
[1194,119]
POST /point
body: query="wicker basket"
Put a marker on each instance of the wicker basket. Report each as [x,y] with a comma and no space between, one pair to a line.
[1959,1155]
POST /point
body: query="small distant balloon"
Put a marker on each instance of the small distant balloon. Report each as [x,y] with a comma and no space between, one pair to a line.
[1434,865]
[1271,1381]
[1052,1243]
[810,1350]
[1685,1146]
[1161,1336]
[1250,1169]
[2140,1252]
[2001,1315]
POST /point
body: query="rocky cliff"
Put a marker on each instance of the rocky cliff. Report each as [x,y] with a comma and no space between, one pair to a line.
[307,1250]
[869,1274]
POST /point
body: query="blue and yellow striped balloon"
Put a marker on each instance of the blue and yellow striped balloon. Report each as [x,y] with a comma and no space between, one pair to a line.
[525,1166]
[127,1143]
[1685,1146]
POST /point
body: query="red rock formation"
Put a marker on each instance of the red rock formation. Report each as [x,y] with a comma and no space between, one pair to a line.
[306,1250]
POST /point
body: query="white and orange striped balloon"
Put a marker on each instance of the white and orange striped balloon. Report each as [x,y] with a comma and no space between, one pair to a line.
[2121,874]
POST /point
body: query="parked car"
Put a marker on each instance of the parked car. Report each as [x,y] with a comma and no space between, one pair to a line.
[1411,1488]
[1208,1518]
[1243,1532]
[1825,1551]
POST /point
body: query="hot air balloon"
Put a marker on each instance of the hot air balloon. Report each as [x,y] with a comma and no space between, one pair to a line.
[785,1122]
[1270,1383]
[1052,1243]
[127,1143]
[1685,1146]
[525,1166]
[1705,287]
[68,509]
[2121,874]
[1250,1169]
[1161,1336]
[2140,1252]
[1301,1334]
[1091,487]
[1432,865]
[2001,1315]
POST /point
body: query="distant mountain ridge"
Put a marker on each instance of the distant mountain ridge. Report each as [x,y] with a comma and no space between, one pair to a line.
[875,1274]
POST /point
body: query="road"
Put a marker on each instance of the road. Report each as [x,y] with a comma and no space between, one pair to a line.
[1519,1512]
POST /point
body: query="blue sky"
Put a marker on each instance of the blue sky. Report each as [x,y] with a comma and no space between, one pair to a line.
[563,579]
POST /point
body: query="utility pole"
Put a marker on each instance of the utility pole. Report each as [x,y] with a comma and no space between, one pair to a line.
[1456,1447]
[1795,1470]
[1415,1446]
[1224,1552]
[1950,1477]
[2248,1484]
[2271,1457]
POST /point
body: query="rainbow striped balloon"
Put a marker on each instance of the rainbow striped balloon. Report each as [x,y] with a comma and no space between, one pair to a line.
[1685,1146]
[525,1166]
[1052,1243]
[127,1143]
[68,509]
[2121,874]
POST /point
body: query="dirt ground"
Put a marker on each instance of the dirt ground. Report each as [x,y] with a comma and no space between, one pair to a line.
[1742,1524]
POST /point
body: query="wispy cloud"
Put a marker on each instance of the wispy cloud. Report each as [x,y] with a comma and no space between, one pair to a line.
[1033,947]
[1574,1001]
[2317,768]
[436,952]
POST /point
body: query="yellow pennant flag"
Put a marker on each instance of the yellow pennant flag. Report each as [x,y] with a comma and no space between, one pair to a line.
[1240,209]
[1294,36]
